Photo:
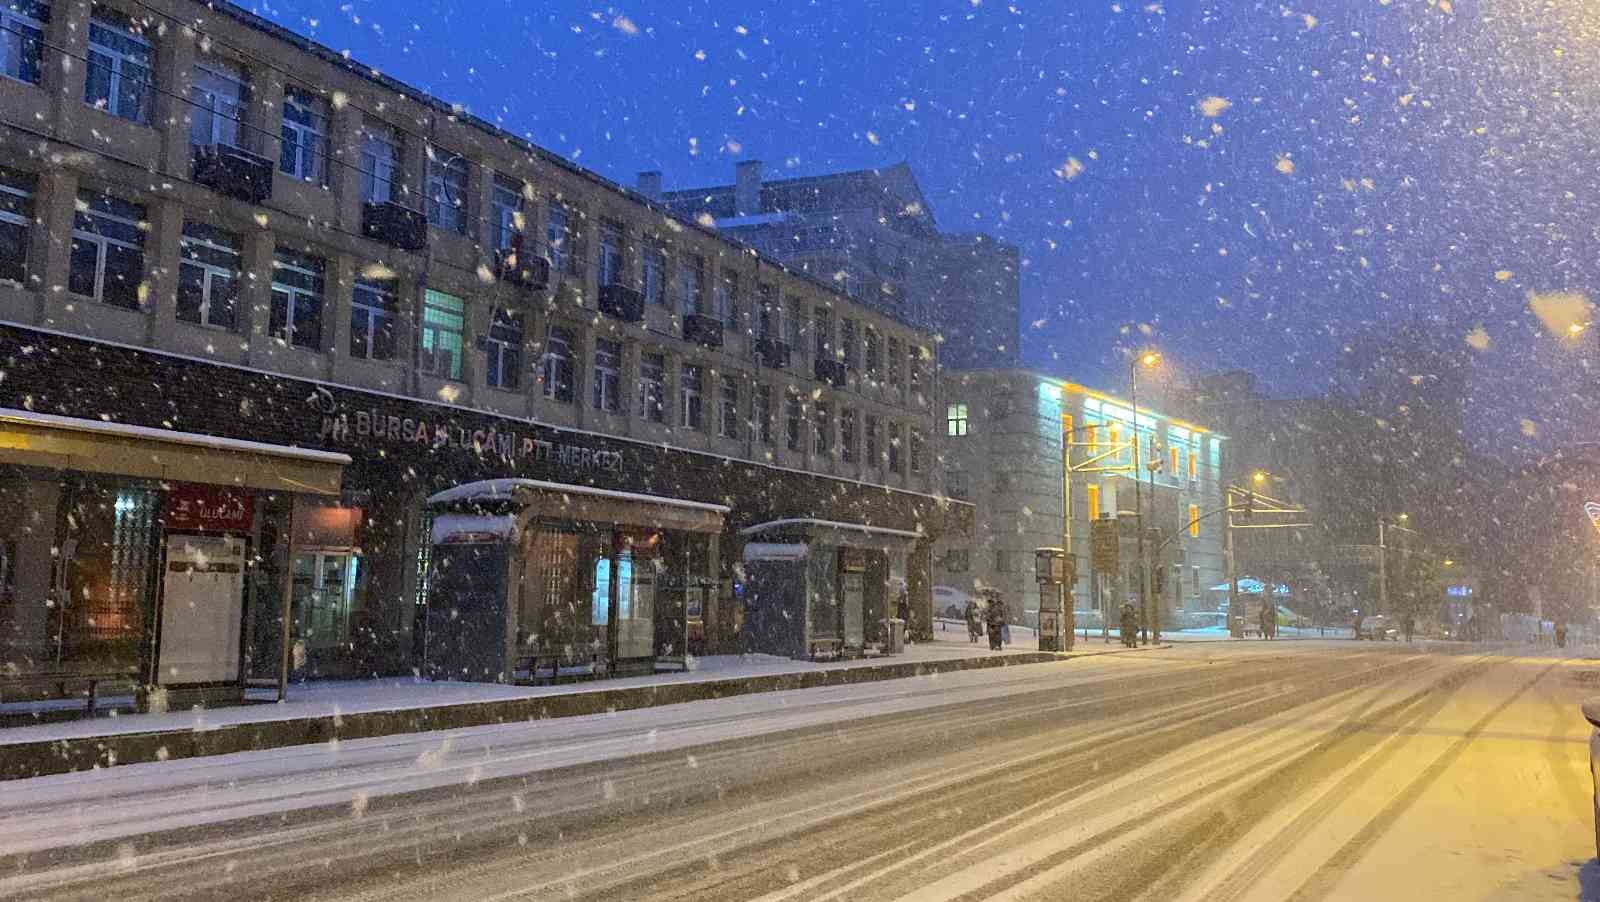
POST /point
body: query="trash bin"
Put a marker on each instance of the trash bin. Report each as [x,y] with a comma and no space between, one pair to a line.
[897,637]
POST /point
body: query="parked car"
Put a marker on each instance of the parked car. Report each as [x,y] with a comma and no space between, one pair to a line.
[1591,713]
[1378,628]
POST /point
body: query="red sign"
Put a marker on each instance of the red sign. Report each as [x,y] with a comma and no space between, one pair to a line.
[208,509]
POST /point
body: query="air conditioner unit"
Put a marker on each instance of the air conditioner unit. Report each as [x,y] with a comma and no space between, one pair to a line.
[831,372]
[773,353]
[234,172]
[622,302]
[702,329]
[395,224]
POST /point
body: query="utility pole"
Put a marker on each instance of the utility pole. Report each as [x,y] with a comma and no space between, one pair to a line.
[1383,572]
[1235,625]
[1138,500]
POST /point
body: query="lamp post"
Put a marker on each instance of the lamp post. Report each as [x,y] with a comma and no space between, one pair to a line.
[1149,360]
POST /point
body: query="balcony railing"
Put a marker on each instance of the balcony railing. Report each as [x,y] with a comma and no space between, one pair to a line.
[234,172]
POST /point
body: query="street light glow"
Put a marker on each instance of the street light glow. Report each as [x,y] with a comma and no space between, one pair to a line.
[1576,328]
[1259,476]
[1149,359]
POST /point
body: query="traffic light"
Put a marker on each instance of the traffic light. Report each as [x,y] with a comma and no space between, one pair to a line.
[1249,505]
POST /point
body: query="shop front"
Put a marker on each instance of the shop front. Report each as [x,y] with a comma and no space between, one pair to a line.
[134,558]
[533,580]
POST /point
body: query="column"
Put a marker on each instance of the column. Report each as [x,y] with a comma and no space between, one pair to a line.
[342,272]
[919,587]
[52,239]
[175,58]
[259,131]
[161,270]
[255,292]
[344,165]
[64,69]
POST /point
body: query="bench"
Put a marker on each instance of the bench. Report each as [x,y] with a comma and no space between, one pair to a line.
[825,648]
[555,668]
[61,685]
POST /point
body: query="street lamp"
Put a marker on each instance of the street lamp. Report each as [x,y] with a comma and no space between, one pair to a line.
[1149,360]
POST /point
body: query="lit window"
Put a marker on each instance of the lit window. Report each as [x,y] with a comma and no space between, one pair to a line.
[956,423]
[1172,460]
[1093,492]
[1194,520]
[1194,464]
[444,319]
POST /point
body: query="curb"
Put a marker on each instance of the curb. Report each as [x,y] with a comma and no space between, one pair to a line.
[61,756]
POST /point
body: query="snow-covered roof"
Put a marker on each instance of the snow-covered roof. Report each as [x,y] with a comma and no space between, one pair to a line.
[447,525]
[506,490]
[829,524]
[125,430]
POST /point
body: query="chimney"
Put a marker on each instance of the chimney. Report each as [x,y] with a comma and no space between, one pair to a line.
[649,184]
[747,188]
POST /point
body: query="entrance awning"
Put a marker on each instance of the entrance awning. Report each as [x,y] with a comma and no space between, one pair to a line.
[836,532]
[560,501]
[92,446]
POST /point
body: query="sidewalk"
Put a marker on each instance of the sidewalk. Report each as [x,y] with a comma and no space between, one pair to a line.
[326,711]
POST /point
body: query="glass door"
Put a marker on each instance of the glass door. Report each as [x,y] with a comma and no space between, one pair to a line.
[324,596]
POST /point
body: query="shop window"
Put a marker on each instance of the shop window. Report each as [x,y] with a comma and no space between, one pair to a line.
[761,414]
[107,261]
[608,375]
[956,422]
[444,318]
[502,350]
[691,284]
[208,276]
[793,419]
[822,420]
[374,304]
[653,387]
[655,273]
[610,262]
[217,98]
[304,151]
[447,191]
[22,27]
[16,223]
[296,316]
[108,570]
[380,163]
[600,599]
[728,406]
[560,365]
[690,387]
[847,435]
[119,64]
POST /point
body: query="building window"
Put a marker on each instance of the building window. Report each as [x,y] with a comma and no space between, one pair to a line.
[790,327]
[1194,580]
[869,441]
[1004,562]
[793,419]
[727,299]
[1194,465]
[874,354]
[1093,493]
[655,273]
[691,284]
[916,362]
[560,367]
[447,191]
[608,375]
[444,326]
[380,162]
[107,250]
[22,27]
[296,316]
[957,560]
[847,341]
[16,223]
[956,423]
[822,333]
[653,387]
[119,70]
[373,305]
[304,154]
[689,396]
[847,435]
[956,485]
[1172,460]
[822,420]
[761,414]
[894,449]
[1194,521]
[208,276]
[509,218]
[503,351]
[610,262]
[217,97]
[561,234]
[728,404]
[919,450]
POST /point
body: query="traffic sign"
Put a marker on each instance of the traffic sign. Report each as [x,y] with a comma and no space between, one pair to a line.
[1103,545]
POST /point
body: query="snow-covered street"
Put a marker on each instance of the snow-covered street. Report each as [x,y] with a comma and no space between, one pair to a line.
[1205,771]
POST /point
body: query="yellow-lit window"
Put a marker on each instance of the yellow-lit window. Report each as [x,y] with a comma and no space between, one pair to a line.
[1172,455]
[1066,429]
[1194,520]
[1116,437]
[1094,438]
[1094,501]
[1194,464]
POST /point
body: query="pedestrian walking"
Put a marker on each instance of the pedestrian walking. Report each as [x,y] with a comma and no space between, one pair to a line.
[974,621]
[1268,620]
[1130,625]
[1408,624]
[995,620]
